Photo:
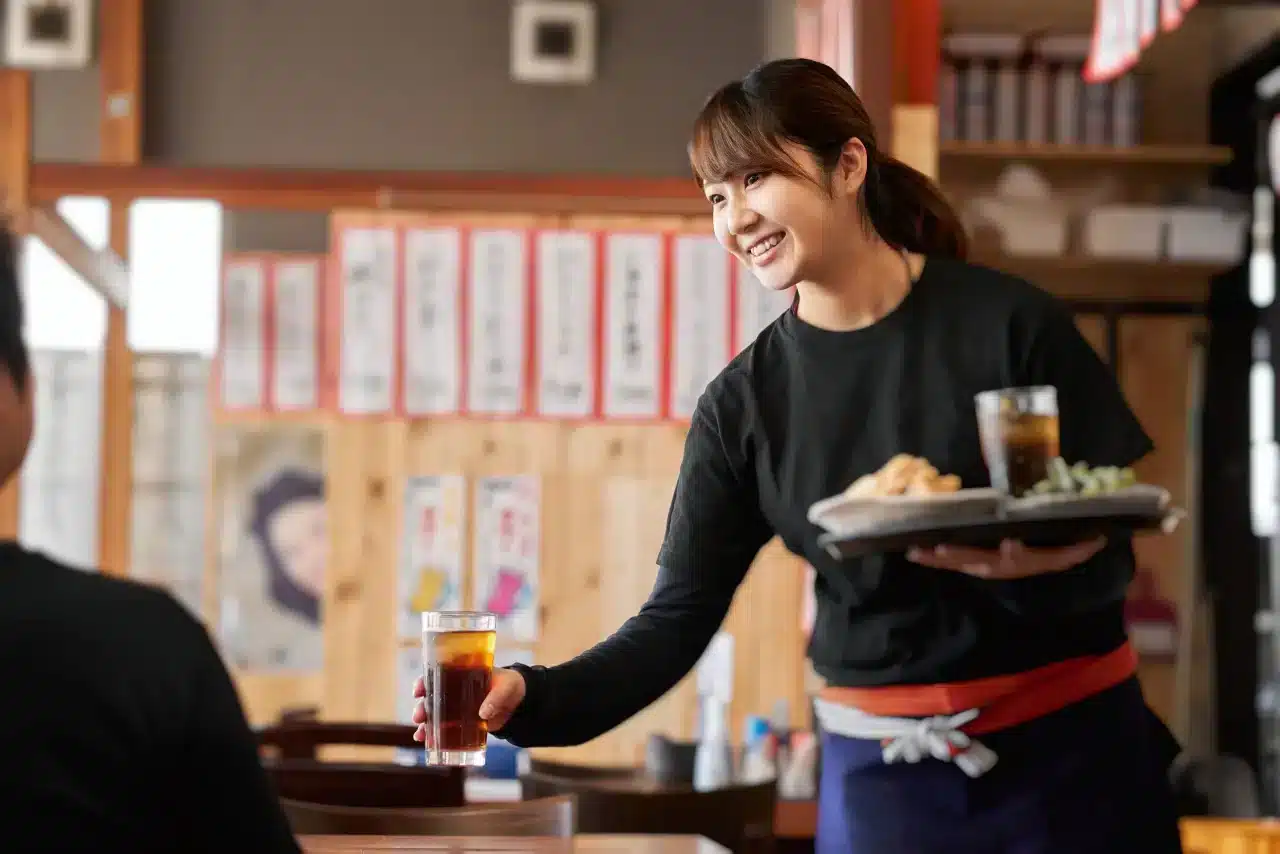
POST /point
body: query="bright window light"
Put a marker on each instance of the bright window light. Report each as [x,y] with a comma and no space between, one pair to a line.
[62,311]
[175,258]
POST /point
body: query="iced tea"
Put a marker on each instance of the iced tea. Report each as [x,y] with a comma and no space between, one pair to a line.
[457,661]
[1018,429]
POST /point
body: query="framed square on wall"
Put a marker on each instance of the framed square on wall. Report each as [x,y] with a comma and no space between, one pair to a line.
[553,41]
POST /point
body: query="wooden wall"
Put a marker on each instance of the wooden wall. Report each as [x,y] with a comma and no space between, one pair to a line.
[606,488]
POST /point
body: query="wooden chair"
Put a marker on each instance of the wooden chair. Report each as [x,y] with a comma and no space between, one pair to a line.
[737,817]
[569,771]
[547,817]
[367,785]
[302,739]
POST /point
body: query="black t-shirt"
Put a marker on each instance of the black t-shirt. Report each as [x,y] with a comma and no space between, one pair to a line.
[797,417]
[120,729]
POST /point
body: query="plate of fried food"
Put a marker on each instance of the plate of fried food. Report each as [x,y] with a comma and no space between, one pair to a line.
[904,488]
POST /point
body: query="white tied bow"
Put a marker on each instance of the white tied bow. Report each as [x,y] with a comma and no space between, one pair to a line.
[912,739]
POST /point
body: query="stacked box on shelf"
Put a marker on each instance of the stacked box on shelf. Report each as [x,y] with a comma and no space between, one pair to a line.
[1031,89]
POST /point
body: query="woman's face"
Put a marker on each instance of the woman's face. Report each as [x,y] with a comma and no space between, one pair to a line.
[299,534]
[779,226]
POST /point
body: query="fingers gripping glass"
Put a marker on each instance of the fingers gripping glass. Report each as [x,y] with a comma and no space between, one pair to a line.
[457,669]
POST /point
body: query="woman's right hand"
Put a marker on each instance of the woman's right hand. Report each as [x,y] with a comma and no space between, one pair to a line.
[506,692]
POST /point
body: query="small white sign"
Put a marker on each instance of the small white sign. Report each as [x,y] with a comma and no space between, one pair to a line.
[566,311]
[242,350]
[498,298]
[368,323]
[432,321]
[700,339]
[296,354]
[633,346]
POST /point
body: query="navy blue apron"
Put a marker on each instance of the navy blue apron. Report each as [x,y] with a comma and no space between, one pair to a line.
[1089,779]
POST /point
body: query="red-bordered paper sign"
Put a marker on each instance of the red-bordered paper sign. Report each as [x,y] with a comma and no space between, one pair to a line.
[1122,29]
[271,353]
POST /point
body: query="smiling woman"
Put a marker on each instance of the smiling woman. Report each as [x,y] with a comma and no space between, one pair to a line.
[891,336]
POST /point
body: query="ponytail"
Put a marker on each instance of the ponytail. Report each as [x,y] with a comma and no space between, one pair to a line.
[909,212]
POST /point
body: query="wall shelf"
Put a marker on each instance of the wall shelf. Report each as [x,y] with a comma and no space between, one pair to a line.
[1138,155]
[1082,278]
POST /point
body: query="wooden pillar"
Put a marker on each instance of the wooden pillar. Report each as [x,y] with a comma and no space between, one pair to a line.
[855,37]
[120,60]
[15,174]
[917,47]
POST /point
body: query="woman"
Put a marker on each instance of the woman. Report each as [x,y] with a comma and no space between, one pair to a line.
[289,525]
[891,335]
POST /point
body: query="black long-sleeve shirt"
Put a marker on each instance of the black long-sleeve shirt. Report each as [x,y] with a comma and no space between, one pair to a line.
[120,729]
[798,416]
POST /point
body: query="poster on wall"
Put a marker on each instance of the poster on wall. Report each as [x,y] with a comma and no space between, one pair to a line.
[243,329]
[633,329]
[367,284]
[432,373]
[272,547]
[498,300]
[295,356]
[170,474]
[566,324]
[700,338]
[507,554]
[432,552]
[757,307]
[58,490]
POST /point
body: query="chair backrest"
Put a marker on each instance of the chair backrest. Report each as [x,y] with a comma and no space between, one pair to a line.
[737,817]
[367,785]
[301,739]
[547,817]
[569,771]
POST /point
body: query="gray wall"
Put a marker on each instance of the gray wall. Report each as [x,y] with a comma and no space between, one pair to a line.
[408,84]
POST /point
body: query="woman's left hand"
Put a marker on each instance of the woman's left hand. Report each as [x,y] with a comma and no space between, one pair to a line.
[1011,560]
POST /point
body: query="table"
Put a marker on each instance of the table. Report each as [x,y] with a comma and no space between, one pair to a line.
[581,844]
[793,819]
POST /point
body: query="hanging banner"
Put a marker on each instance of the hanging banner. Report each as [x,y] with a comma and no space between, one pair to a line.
[242,356]
[567,293]
[367,320]
[497,297]
[295,313]
[431,374]
[634,308]
[507,553]
[701,286]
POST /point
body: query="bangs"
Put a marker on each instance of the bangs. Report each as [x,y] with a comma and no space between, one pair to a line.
[732,136]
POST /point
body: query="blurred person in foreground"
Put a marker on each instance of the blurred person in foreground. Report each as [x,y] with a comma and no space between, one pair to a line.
[120,729]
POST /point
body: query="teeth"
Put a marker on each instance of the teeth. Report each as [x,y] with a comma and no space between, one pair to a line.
[765,245]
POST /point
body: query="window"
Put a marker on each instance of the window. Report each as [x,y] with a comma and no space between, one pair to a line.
[175,259]
[63,313]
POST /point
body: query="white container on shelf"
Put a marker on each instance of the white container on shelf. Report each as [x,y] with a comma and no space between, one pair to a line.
[1124,231]
[1206,234]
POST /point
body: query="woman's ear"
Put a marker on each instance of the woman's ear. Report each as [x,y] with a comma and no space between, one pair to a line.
[851,170]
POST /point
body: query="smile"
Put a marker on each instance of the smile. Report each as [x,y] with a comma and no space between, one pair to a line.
[763,250]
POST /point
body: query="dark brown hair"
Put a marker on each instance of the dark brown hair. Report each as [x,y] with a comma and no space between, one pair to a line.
[744,125]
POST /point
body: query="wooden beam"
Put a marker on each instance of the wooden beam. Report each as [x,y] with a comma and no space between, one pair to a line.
[120,57]
[15,173]
[326,190]
[101,269]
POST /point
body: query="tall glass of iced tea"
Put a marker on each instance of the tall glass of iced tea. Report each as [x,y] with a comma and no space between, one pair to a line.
[457,667]
[1018,429]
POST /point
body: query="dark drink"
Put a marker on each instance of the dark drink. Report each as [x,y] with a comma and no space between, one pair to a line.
[457,672]
[1018,429]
